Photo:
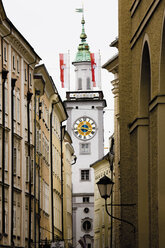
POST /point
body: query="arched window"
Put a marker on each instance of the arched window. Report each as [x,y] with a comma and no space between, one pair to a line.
[80,84]
[145,89]
[86,225]
[88,84]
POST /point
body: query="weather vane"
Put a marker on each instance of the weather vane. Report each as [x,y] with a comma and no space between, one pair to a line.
[81,10]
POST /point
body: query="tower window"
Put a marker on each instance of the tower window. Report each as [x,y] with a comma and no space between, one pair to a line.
[85,175]
[88,84]
[84,148]
[85,199]
[86,225]
[80,84]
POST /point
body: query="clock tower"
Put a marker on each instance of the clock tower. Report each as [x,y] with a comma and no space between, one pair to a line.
[85,125]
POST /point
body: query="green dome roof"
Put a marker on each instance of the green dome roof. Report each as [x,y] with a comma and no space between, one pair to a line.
[83,53]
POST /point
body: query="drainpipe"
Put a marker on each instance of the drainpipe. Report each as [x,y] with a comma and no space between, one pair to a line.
[4,77]
[51,173]
[39,202]
[111,211]
[39,237]
[37,92]
[29,95]
[13,81]
[111,161]
[62,181]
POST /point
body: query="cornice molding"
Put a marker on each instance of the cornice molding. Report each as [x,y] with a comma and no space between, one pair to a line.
[134,6]
[140,121]
[144,22]
[160,99]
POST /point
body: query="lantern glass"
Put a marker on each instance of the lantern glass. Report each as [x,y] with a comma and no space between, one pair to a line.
[105,185]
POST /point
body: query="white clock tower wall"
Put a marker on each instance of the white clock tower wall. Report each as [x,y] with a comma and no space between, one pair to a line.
[85,125]
[83,76]
[94,110]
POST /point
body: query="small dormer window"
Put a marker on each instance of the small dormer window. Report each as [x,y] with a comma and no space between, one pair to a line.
[88,84]
[80,84]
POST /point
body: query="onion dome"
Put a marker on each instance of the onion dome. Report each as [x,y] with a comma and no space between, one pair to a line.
[83,53]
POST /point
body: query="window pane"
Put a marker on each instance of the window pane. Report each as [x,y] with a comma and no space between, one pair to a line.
[88,84]
[85,175]
[80,84]
[85,148]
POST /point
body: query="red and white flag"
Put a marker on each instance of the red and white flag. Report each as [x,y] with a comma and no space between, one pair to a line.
[96,69]
[64,70]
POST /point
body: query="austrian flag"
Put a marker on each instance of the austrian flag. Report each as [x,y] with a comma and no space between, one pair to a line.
[64,70]
[96,69]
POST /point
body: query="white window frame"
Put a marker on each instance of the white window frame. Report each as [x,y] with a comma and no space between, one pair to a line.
[83,148]
[84,176]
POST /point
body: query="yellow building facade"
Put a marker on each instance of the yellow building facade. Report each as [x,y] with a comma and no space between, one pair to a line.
[50,115]
[102,221]
[68,152]
[141,122]
[17,64]
[112,65]
[31,146]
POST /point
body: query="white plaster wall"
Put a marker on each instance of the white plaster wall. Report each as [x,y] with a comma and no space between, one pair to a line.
[80,215]
[96,143]
[83,72]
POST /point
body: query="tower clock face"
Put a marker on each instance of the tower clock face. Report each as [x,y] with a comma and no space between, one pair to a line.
[84,128]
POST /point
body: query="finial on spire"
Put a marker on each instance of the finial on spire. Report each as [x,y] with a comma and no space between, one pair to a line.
[83,48]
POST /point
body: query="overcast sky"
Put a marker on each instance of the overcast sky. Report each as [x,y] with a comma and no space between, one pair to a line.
[53,27]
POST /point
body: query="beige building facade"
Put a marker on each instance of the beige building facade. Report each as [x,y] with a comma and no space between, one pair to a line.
[112,65]
[141,122]
[102,221]
[68,153]
[32,175]
[17,64]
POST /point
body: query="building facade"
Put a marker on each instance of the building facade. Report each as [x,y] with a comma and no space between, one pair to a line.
[17,64]
[112,65]
[102,222]
[85,125]
[32,200]
[141,108]
[68,152]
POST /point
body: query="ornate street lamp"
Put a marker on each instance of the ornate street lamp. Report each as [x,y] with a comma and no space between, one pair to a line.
[105,185]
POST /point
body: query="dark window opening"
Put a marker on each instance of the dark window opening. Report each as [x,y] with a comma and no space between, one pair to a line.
[80,84]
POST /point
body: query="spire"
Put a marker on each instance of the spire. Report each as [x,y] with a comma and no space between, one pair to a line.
[83,35]
[83,53]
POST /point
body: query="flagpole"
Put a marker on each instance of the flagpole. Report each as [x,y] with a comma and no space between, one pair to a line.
[99,70]
[68,70]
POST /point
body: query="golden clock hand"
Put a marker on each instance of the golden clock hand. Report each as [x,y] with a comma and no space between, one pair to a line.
[83,128]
